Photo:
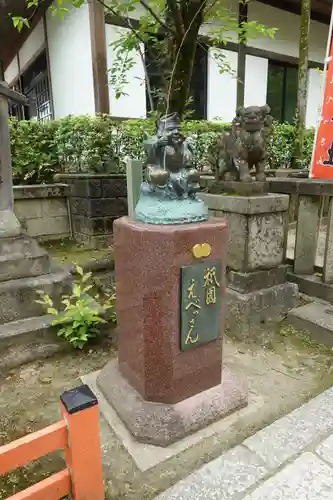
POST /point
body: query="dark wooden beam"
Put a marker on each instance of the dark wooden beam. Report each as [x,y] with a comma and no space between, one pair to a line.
[47,53]
[99,59]
[20,38]
[12,94]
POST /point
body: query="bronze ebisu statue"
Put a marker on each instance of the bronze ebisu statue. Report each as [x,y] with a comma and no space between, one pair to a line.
[170,177]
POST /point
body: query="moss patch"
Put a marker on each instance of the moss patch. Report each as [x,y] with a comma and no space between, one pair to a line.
[69,252]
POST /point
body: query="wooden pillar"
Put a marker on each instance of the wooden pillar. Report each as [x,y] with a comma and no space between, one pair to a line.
[242,17]
[98,53]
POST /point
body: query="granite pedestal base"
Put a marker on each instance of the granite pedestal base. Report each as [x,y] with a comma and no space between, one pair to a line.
[164,387]
[163,424]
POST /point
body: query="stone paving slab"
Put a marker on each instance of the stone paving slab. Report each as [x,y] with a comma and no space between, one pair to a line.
[316,319]
[308,478]
[222,479]
[325,450]
[289,436]
[262,467]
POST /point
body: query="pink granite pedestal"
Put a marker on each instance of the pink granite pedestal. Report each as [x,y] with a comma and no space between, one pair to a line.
[159,391]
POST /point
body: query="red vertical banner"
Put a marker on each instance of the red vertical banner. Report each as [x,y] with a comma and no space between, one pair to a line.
[322,163]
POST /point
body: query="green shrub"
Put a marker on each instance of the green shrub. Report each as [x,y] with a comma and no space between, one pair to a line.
[79,320]
[280,148]
[101,144]
[34,155]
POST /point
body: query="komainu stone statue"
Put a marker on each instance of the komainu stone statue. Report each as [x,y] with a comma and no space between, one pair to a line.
[245,146]
[168,194]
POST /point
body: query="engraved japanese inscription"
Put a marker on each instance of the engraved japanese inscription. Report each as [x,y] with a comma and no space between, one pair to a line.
[200,304]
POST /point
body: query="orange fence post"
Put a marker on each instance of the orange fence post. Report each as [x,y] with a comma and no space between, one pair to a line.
[83,451]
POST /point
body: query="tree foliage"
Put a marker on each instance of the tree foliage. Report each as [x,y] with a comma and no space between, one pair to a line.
[170,31]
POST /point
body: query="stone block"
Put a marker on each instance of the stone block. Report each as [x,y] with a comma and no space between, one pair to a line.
[258,227]
[312,187]
[28,209]
[289,436]
[239,188]
[22,257]
[39,191]
[96,241]
[247,205]
[87,188]
[27,340]
[222,479]
[18,296]
[95,185]
[163,424]
[114,188]
[306,234]
[94,226]
[307,478]
[248,313]
[266,240]
[316,319]
[325,450]
[99,207]
[54,207]
[256,280]
[312,285]
[46,226]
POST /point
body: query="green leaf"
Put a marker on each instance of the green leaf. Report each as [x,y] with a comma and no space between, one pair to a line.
[79,270]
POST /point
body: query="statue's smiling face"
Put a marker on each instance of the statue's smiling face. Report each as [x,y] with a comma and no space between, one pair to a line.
[175,137]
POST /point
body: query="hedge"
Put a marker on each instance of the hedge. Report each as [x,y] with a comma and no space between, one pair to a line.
[101,144]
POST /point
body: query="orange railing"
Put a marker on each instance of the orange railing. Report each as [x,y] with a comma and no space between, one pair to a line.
[78,435]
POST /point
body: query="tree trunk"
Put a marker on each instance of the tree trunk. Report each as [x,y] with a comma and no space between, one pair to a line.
[181,53]
[302,83]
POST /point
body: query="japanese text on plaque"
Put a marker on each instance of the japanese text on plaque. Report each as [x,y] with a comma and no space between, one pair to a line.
[200,304]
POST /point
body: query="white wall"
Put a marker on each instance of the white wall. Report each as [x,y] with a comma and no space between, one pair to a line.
[32,46]
[221,87]
[315,96]
[231,11]
[11,72]
[71,62]
[287,37]
[256,69]
[286,40]
[132,105]
[317,41]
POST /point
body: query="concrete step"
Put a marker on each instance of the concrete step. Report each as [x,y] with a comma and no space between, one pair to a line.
[28,339]
[18,297]
[312,285]
[22,257]
[316,318]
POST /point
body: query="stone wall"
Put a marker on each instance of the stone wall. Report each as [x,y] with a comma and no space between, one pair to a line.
[43,210]
[96,200]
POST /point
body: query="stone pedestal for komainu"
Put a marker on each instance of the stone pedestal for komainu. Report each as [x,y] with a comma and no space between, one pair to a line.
[169,380]
[257,292]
